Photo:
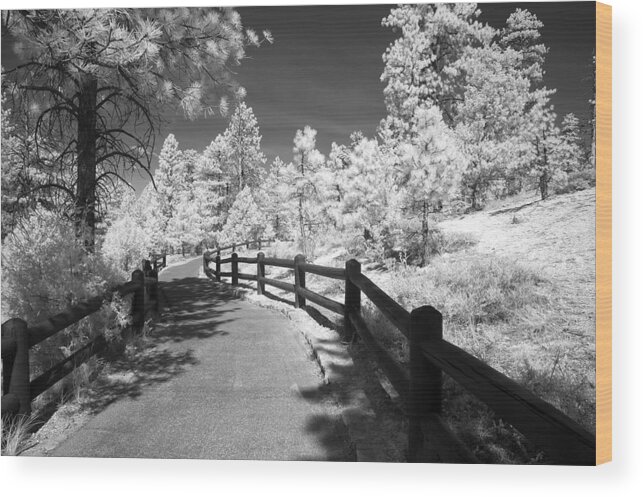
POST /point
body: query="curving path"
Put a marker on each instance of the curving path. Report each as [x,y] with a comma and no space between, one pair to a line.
[231,387]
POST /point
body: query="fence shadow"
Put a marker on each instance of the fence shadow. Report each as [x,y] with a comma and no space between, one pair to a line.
[193,310]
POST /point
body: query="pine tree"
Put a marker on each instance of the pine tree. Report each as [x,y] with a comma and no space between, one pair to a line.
[428,175]
[246,222]
[491,119]
[171,181]
[276,198]
[307,161]
[543,166]
[570,151]
[149,205]
[243,159]
[368,213]
[522,34]
[209,190]
[91,76]
[420,65]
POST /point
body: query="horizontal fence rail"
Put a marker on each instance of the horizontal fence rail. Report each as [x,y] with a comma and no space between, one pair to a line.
[420,385]
[561,438]
[393,311]
[337,273]
[285,263]
[325,302]
[282,285]
[158,261]
[18,338]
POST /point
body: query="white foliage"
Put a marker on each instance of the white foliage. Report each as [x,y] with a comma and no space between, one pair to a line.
[45,270]
[246,222]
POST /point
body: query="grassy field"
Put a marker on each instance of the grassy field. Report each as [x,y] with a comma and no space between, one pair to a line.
[519,295]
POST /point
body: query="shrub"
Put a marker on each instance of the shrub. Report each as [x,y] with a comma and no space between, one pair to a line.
[46,270]
[125,245]
[438,243]
[485,289]
[576,181]
[470,289]
[456,241]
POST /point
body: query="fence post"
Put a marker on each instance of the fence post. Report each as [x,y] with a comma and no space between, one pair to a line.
[18,385]
[154,290]
[164,261]
[138,301]
[300,280]
[152,287]
[261,273]
[235,269]
[425,385]
[352,294]
[146,267]
[206,266]
[217,267]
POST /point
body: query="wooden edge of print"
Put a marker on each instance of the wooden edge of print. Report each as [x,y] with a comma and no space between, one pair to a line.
[603,233]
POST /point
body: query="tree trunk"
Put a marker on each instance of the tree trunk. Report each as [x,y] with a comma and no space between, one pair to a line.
[425,234]
[302,228]
[474,199]
[85,215]
[544,185]
[545,177]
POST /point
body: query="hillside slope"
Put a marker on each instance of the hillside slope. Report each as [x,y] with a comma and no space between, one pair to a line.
[520,297]
[555,237]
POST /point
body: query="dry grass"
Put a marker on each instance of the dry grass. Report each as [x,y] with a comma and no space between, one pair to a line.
[16,435]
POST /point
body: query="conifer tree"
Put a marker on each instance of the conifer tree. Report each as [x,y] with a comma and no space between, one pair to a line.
[246,222]
[91,76]
[522,34]
[420,64]
[276,198]
[171,181]
[307,161]
[242,156]
[570,151]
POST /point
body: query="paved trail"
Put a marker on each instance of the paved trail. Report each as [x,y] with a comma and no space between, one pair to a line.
[234,393]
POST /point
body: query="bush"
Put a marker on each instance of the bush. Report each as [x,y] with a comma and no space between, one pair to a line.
[125,245]
[576,181]
[470,290]
[46,270]
[281,250]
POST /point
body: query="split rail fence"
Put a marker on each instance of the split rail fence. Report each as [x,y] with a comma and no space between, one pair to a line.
[18,338]
[562,439]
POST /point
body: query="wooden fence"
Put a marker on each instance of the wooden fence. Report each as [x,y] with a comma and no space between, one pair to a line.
[420,386]
[18,338]
[158,261]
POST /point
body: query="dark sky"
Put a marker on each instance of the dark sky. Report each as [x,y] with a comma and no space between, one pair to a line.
[324,67]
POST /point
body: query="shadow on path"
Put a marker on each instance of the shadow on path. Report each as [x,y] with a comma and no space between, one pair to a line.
[131,375]
[193,310]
